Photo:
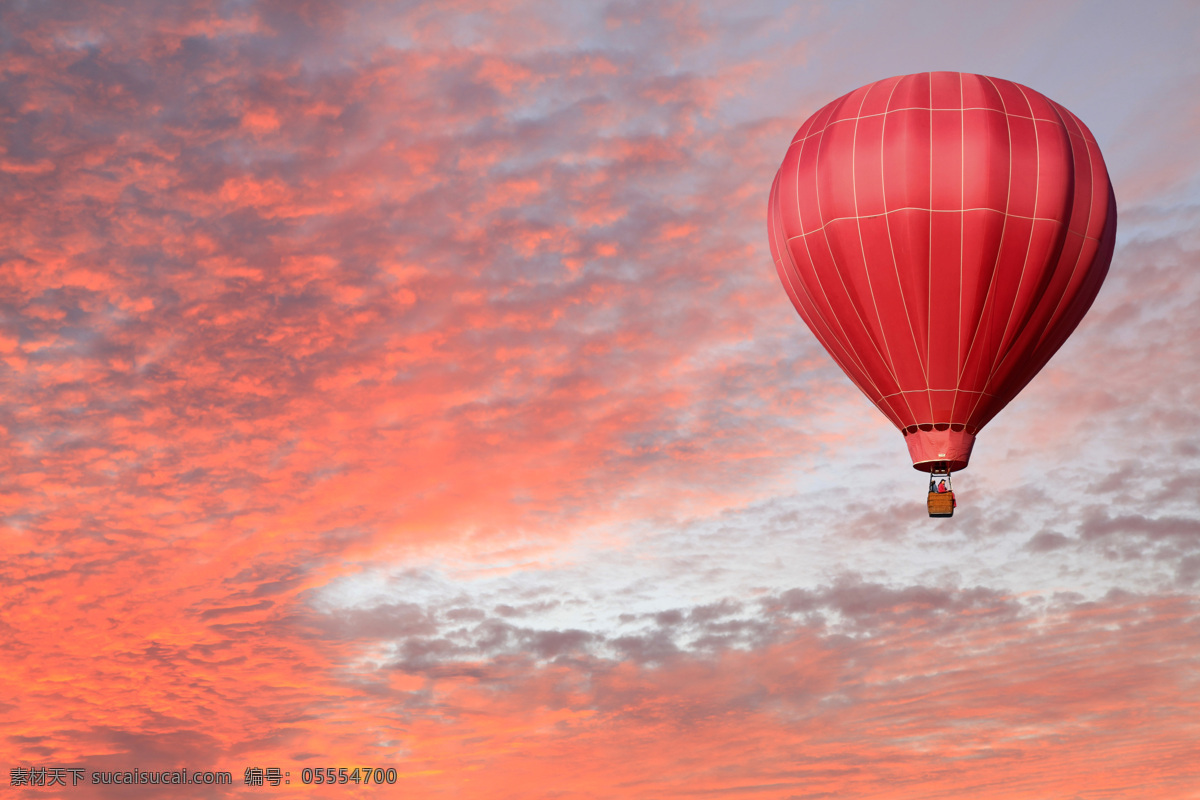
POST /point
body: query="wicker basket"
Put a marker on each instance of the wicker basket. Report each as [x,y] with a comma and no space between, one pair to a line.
[941,504]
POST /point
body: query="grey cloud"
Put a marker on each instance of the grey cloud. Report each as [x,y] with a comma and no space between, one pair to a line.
[1098,525]
[652,648]
[552,644]
[388,621]
[712,611]
[663,618]
[1188,571]
[465,614]
[431,641]
[872,604]
[1045,541]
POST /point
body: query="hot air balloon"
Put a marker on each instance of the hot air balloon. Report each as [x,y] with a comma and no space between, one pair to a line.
[942,234]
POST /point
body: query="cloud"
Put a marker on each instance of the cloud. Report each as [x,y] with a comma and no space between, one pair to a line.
[1045,541]
[940,688]
[293,242]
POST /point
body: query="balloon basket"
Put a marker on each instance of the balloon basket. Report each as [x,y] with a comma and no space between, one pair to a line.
[941,504]
[941,492]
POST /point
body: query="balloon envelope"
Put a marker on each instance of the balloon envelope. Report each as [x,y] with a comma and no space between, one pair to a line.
[942,234]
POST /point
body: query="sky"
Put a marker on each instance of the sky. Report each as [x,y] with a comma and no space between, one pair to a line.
[409,385]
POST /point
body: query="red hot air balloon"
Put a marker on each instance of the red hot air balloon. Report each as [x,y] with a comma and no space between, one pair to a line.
[942,234]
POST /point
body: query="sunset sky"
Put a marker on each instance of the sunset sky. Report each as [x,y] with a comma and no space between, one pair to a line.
[409,384]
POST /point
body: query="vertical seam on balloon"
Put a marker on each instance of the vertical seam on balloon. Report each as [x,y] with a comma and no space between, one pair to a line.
[1000,248]
[830,345]
[887,220]
[1037,146]
[849,352]
[862,245]
[1087,224]
[962,232]
[1049,319]
[793,280]
[895,265]
[929,272]
[820,283]
[858,316]
[1008,207]
[786,274]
